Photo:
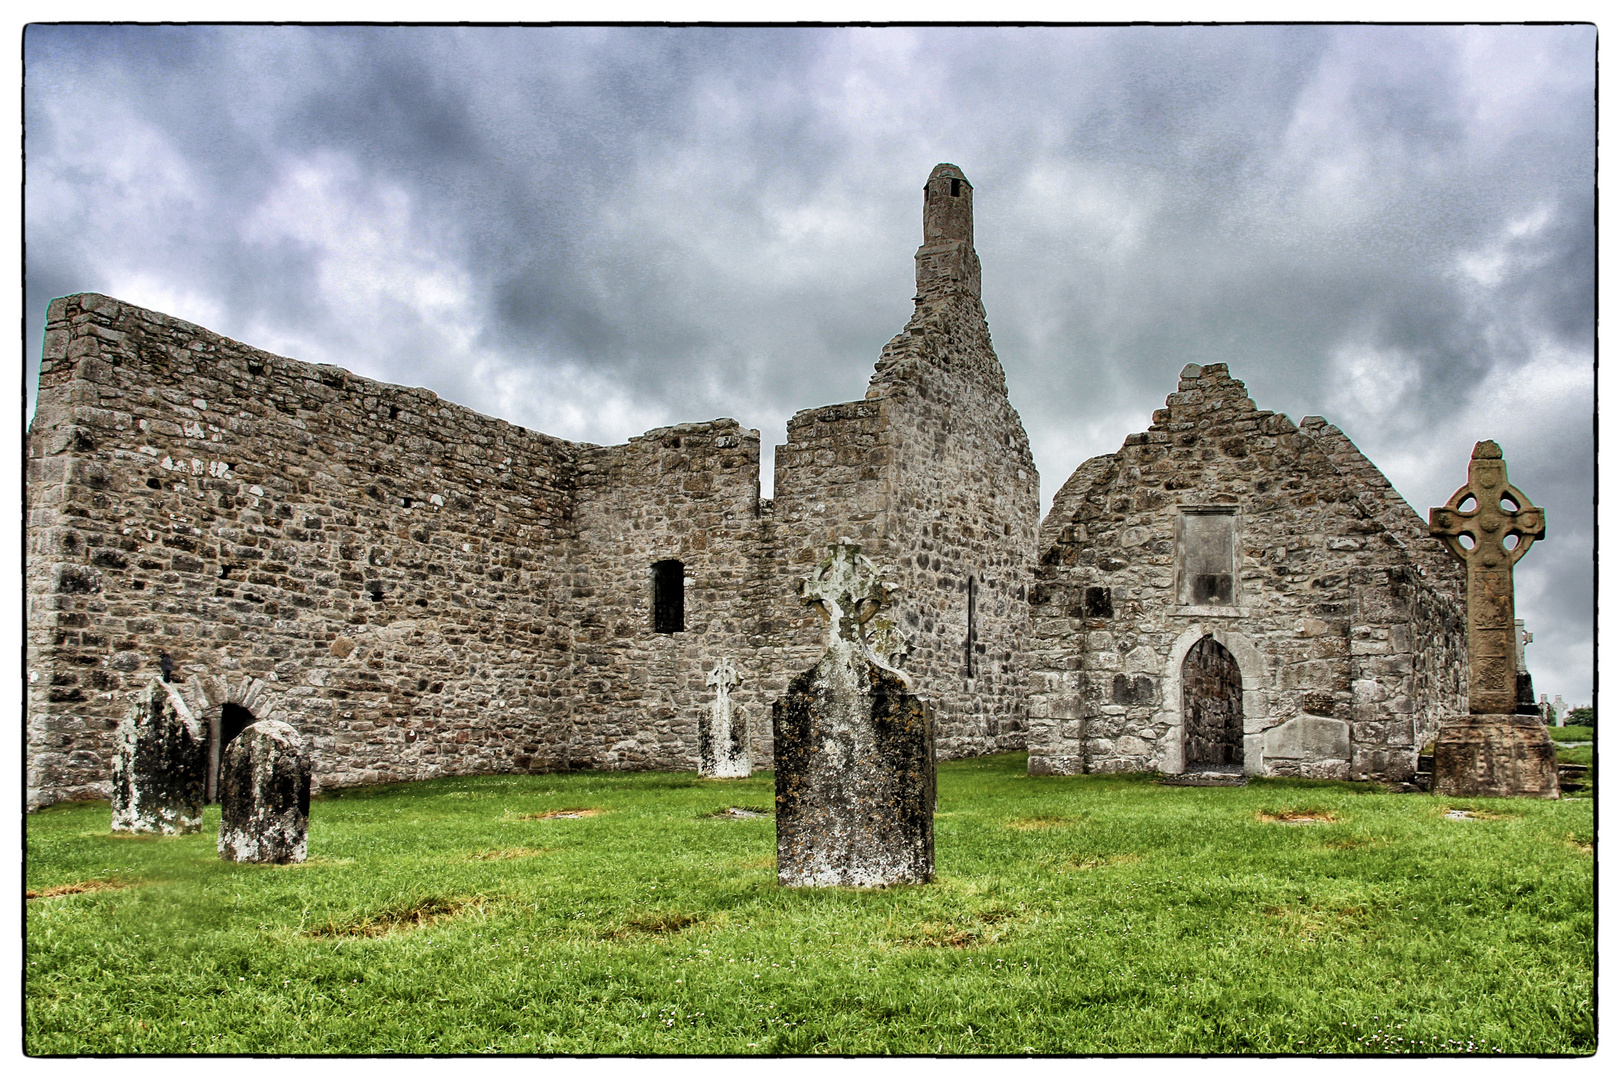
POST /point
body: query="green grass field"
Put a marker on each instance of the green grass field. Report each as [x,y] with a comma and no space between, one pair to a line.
[1075,915]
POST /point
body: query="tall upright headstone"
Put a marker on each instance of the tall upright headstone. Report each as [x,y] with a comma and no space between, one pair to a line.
[160,765]
[264,795]
[854,746]
[1494,750]
[1527,686]
[723,741]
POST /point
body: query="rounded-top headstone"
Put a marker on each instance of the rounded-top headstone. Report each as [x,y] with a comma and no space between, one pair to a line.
[264,795]
[160,765]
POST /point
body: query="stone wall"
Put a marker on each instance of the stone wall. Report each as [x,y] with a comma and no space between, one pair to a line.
[964,527]
[689,493]
[933,476]
[423,591]
[1347,631]
[380,557]
[834,479]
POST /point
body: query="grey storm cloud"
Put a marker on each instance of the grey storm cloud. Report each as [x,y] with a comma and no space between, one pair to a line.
[593,231]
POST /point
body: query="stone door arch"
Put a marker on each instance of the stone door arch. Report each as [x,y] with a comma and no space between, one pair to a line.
[227,705]
[1211,708]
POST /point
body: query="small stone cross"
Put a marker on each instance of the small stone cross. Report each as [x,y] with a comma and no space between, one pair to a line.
[848,590]
[1480,537]
[724,677]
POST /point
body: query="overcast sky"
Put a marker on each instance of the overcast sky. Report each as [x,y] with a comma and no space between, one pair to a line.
[594,232]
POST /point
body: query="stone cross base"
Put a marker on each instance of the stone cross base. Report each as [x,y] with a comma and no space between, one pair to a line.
[1496,755]
[854,778]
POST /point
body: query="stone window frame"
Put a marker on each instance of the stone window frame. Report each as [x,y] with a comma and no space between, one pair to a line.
[1184,602]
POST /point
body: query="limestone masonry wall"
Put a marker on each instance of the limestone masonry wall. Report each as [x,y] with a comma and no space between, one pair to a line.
[933,476]
[423,591]
[689,493]
[964,524]
[381,560]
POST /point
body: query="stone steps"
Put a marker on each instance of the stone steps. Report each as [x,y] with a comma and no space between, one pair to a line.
[1207,778]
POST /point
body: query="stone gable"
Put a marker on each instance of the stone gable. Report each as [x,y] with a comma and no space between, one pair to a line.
[1283,545]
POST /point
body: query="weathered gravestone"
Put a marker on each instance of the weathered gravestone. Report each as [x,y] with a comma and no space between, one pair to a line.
[160,765]
[723,742]
[1489,525]
[854,747]
[264,795]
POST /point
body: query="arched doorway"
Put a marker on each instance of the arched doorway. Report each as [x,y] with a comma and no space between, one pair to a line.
[1211,709]
[233,720]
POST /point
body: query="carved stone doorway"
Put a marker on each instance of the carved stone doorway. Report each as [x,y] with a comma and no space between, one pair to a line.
[1211,709]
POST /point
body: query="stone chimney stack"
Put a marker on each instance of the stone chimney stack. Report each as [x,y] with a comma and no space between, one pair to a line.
[946,259]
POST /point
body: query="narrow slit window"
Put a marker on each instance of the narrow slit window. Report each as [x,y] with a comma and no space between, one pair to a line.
[956,189]
[669,597]
[972,621]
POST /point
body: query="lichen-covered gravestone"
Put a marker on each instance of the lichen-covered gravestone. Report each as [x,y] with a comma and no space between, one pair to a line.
[854,747]
[1494,750]
[264,795]
[723,741]
[160,765]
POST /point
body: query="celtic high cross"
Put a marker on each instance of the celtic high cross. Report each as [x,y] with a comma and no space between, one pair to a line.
[1489,538]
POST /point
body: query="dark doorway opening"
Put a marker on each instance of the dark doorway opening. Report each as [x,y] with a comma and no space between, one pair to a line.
[233,720]
[669,597]
[1211,709]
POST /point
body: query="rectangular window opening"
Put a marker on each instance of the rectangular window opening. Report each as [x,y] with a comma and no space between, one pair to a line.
[1207,538]
[669,596]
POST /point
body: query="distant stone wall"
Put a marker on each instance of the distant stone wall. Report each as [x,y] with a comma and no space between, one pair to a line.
[933,476]
[1321,610]
[688,493]
[423,591]
[964,523]
[834,479]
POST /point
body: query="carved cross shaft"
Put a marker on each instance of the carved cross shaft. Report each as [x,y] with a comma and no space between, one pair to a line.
[1489,538]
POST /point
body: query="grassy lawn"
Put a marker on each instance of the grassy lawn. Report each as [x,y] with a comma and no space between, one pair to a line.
[1571,733]
[1090,914]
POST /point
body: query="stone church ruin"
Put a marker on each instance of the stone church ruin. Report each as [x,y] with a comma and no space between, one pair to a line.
[1232,593]
[419,590]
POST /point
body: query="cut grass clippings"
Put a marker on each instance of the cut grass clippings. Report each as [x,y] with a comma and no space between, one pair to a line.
[73,888]
[1069,915]
[1297,817]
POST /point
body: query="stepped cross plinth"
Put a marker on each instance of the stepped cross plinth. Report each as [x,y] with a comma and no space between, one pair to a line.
[1489,525]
